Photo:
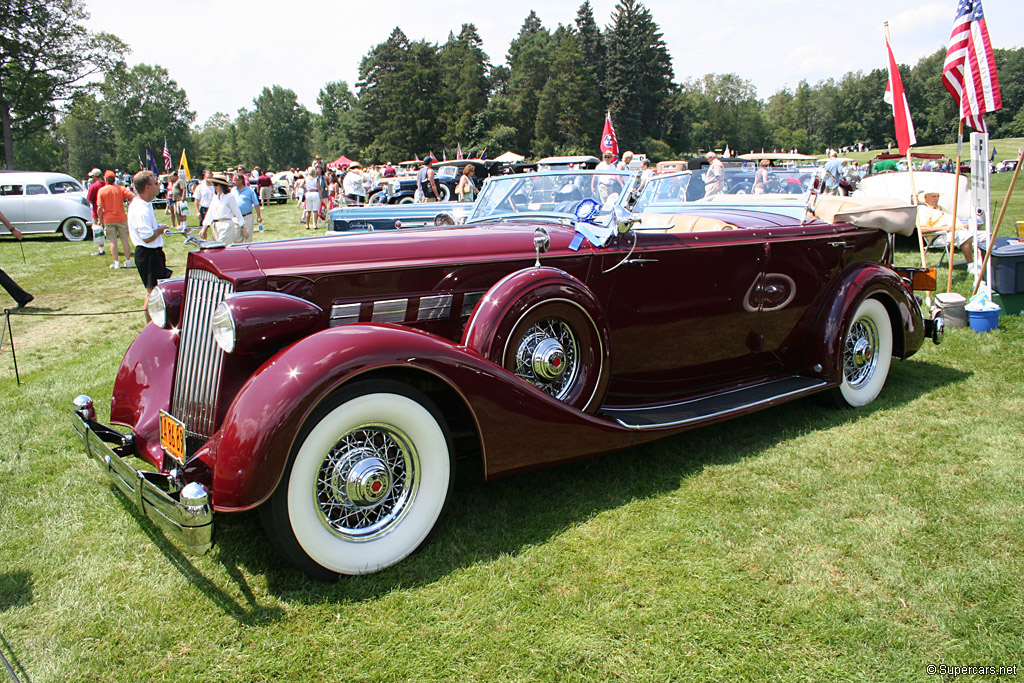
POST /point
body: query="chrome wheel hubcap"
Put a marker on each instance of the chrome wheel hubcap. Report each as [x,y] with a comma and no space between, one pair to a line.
[366,482]
[548,357]
[859,358]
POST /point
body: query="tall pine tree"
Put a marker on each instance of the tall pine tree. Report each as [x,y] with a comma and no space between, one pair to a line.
[638,77]
[592,46]
[464,86]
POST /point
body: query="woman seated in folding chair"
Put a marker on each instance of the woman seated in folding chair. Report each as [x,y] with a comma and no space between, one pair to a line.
[934,223]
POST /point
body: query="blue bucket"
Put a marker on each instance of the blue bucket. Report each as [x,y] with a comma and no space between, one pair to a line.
[984,321]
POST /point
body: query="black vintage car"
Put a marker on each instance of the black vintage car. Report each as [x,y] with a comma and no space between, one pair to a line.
[446,175]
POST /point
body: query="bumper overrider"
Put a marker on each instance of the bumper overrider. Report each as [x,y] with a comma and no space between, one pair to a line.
[183,513]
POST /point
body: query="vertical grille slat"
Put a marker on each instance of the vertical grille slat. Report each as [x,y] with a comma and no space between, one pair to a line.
[197,377]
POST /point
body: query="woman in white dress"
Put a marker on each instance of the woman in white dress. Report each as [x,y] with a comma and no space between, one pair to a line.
[223,215]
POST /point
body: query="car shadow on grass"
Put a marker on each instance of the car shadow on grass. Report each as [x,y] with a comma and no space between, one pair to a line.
[485,521]
[15,591]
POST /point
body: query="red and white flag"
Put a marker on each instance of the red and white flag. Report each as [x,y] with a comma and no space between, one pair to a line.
[167,157]
[894,95]
[458,153]
[609,143]
[969,72]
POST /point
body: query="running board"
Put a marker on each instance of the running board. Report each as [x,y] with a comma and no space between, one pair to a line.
[718,406]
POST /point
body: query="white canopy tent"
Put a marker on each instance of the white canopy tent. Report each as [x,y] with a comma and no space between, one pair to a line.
[510,158]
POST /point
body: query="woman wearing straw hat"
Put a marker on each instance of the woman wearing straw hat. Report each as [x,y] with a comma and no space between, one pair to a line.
[223,213]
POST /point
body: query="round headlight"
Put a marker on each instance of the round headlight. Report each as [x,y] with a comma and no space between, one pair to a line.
[223,327]
[157,307]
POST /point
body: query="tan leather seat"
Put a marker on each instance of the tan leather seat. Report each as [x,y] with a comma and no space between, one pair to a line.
[682,222]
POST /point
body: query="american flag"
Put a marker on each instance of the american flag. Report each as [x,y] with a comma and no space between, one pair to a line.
[167,157]
[458,153]
[969,72]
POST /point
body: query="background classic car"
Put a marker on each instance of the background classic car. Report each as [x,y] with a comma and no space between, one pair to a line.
[402,190]
[45,202]
[336,383]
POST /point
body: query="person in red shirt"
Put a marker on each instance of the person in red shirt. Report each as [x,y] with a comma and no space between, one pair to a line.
[265,185]
[97,228]
[113,217]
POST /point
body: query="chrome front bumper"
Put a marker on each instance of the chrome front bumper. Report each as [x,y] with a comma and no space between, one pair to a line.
[183,514]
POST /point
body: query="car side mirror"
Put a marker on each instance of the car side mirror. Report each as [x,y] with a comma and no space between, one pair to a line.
[444,218]
[623,220]
[541,242]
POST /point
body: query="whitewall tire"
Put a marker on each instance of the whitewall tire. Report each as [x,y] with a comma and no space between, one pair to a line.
[866,354]
[369,478]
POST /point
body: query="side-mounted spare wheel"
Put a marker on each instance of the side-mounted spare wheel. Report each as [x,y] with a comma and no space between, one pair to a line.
[547,328]
[866,355]
[369,475]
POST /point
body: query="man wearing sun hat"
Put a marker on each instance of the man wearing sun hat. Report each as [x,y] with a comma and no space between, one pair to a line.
[934,221]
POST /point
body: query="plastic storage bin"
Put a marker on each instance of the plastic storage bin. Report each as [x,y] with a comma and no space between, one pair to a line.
[1008,265]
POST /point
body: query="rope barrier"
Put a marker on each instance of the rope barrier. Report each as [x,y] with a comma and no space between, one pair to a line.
[8,331]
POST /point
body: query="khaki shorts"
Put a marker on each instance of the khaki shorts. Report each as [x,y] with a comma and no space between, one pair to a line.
[114,231]
[265,194]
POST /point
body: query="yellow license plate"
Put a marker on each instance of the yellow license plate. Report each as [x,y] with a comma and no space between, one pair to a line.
[172,436]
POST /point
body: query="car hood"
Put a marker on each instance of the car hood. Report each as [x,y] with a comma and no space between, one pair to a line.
[309,258]
[406,249]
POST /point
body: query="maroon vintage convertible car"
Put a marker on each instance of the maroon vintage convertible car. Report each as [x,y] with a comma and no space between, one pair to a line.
[336,382]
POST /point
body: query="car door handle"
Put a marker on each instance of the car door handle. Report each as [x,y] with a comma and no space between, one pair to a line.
[642,260]
[842,245]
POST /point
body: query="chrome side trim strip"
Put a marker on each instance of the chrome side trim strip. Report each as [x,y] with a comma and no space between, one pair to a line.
[470,301]
[391,311]
[434,307]
[344,314]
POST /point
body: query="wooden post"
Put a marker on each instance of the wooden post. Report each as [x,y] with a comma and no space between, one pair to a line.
[999,222]
[956,199]
[913,201]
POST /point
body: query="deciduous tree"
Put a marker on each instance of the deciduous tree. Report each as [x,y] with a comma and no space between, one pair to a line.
[45,55]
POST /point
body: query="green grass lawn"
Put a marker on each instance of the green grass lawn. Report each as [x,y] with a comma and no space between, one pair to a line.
[798,544]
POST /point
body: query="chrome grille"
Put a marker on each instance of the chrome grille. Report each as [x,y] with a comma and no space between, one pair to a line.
[197,377]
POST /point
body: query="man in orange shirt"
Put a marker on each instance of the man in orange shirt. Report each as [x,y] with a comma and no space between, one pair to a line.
[111,214]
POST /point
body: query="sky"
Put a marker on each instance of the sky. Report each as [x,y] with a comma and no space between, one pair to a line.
[223,58]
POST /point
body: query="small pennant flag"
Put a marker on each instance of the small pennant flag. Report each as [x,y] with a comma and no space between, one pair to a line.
[184,165]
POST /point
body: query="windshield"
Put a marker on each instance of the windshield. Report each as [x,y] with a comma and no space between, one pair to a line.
[549,193]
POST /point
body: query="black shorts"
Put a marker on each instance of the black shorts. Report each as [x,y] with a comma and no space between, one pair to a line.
[152,265]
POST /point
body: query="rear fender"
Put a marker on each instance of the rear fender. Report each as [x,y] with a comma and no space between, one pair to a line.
[875,282]
[518,425]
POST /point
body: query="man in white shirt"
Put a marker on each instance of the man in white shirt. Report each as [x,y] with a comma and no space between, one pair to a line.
[146,234]
[203,195]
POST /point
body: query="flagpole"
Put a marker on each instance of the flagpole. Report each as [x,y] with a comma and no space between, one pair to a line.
[956,199]
[999,222]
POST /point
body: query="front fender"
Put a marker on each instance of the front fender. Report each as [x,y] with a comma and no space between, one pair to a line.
[143,386]
[869,281]
[519,426]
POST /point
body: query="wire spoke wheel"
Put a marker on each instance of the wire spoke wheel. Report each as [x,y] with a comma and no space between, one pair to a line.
[860,357]
[548,357]
[866,355]
[367,482]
